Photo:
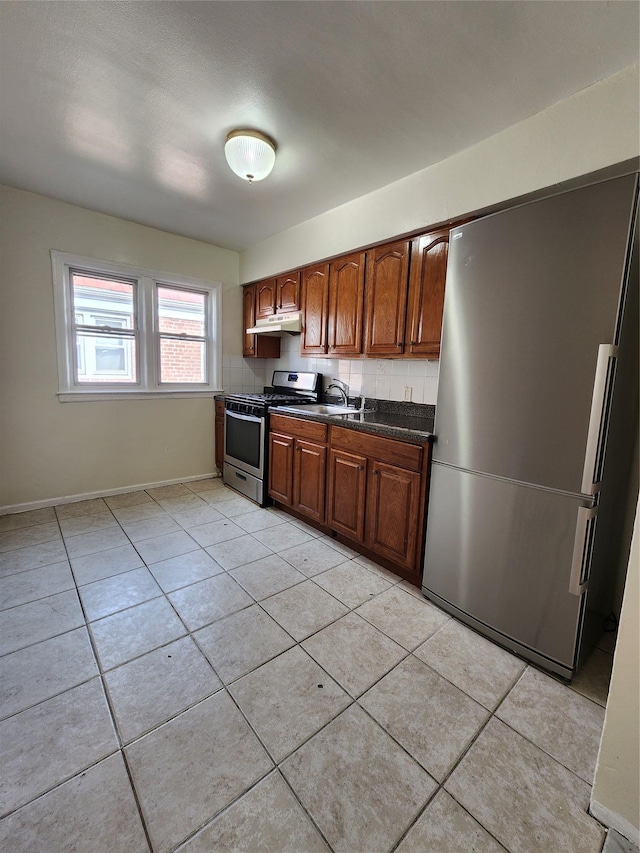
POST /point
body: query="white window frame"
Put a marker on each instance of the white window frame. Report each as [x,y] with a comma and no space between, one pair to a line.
[148,382]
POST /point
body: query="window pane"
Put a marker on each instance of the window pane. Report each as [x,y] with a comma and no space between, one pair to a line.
[110,359]
[182,361]
[106,359]
[79,347]
[103,301]
[181,311]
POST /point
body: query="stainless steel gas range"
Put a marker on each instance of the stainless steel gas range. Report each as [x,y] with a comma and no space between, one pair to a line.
[246,456]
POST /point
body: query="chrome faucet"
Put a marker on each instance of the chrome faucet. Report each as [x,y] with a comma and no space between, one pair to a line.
[342,388]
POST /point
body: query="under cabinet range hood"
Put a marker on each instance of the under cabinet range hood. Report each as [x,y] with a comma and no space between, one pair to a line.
[277,324]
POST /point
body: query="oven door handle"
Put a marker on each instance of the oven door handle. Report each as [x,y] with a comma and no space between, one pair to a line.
[240,417]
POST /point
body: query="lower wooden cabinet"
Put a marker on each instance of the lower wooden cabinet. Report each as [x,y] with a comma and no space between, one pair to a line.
[309,478]
[281,468]
[298,465]
[377,491]
[393,513]
[347,482]
[219,434]
[370,489]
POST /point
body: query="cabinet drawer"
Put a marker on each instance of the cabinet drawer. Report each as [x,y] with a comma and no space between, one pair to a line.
[311,430]
[388,450]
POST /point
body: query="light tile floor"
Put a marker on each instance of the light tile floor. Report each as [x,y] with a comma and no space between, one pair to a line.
[181,670]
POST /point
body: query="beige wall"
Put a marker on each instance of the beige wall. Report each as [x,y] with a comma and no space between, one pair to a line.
[615,799]
[591,130]
[49,449]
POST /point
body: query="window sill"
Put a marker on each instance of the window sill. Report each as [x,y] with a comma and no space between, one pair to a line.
[96,396]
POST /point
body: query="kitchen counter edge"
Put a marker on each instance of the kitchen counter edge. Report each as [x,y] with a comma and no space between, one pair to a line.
[382,425]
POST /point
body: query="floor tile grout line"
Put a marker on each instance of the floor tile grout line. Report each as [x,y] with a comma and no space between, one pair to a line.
[7,575]
[22,526]
[99,675]
[409,652]
[542,749]
[355,701]
[53,696]
[136,798]
[34,600]
[415,820]
[109,669]
[114,722]
[457,686]
[45,639]
[223,810]
[465,751]
[69,778]
[456,764]
[8,551]
[277,764]
[188,634]
[129,606]
[298,799]
[476,737]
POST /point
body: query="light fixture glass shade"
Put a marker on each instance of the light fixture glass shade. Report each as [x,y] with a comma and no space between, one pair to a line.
[250,154]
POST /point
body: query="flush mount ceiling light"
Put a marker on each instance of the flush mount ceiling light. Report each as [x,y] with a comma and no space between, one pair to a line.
[250,154]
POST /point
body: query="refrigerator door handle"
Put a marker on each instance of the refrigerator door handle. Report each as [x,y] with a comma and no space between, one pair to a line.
[582,546]
[598,419]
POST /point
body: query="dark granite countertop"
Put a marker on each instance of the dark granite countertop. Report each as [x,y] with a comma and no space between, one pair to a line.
[409,421]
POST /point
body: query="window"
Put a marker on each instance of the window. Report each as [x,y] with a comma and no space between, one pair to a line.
[124,332]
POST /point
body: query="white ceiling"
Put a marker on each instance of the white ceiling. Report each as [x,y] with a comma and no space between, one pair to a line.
[123,107]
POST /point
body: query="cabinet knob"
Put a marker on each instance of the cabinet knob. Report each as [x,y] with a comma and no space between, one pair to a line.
[375,471]
[414,343]
[399,344]
[359,467]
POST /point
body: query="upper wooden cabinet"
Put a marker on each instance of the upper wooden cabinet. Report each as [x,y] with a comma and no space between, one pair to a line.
[255,346]
[315,300]
[429,254]
[387,282]
[265,298]
[287,292]
[248,319]
[278,295]
[385,302]
[346,299]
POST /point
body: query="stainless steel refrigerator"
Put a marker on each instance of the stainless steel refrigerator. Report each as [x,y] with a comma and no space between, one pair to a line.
[536,420]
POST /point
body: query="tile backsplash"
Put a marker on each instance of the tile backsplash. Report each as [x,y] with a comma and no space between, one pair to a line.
[382,378]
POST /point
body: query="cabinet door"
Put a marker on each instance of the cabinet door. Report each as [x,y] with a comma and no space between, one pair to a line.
[248,319]
[315,293]
[288,293]
[219,434]
[309,474]
[281,468]
[347,482]
[387,282]
[346,305]
[265,298]
[393,513]
[429,255]
[255,346]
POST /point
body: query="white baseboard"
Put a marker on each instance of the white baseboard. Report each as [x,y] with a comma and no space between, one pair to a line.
[68,499]
[615,821]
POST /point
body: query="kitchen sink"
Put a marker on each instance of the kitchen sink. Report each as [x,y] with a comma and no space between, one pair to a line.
[322,409]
